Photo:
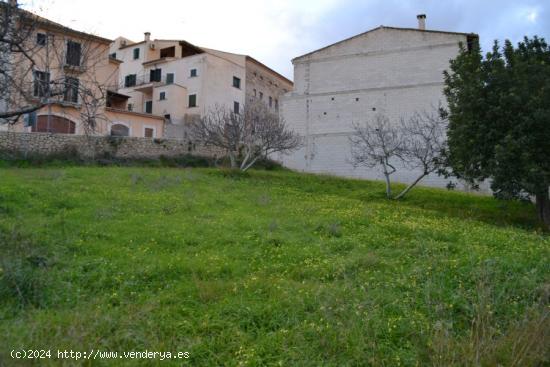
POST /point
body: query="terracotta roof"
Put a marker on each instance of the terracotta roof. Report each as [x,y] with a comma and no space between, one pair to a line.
[383,27]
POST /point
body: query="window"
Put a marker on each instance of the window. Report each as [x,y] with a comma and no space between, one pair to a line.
[276,104]
[149,107]
[192,100]
[270,102]
[236,107]
[112,56]
[162,96]
[41,39]
[53,124]
[236,82]
[167,117]
[149,132]
[136,53]
[169,78]
[255,92]
[30,119]
[71,90]
[193,73]
[120,130]
[130,107]
[74,50]
[155,75]
[261,96]
[41,83]
[130,80]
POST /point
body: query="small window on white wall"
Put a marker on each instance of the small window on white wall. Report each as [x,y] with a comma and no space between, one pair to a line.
[169,78]
[162,96]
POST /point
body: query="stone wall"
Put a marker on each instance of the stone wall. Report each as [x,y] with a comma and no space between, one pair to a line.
[47,144]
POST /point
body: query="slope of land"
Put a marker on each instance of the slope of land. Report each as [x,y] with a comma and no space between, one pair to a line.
[269,268]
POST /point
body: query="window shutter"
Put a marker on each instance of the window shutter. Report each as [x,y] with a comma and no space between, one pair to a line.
[155,75]
[74,50]
[71,90]
[30,119]
[149,107]
[193,100]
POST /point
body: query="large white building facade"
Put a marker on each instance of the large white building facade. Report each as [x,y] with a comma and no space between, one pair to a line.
[387,70]
[180,81]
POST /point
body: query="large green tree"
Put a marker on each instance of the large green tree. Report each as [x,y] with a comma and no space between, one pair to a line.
[499,119]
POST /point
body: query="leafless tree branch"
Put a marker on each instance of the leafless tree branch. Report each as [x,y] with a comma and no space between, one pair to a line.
[247,136]
[418,142]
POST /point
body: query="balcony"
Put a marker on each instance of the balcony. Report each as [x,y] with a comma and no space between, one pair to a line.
[144,83]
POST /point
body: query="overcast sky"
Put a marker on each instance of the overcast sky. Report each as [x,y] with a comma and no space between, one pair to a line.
[276,31]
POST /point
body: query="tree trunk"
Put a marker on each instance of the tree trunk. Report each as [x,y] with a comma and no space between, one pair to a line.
[387,177]
[543,208]
[232,160]
[404,192]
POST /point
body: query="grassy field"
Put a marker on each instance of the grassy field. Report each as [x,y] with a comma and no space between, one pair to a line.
[269,268]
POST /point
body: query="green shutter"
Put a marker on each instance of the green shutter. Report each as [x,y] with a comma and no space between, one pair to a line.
[193,100]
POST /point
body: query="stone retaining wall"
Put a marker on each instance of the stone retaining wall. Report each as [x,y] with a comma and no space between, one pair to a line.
[47,144]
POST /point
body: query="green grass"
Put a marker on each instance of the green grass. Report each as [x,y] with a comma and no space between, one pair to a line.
[266,268]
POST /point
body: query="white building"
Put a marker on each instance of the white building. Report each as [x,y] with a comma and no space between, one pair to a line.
[393,71]
[180,81]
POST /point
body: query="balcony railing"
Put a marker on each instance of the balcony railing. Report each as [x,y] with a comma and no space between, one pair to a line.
[145,79]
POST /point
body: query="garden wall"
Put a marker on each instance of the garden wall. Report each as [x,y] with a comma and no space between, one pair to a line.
[47,144]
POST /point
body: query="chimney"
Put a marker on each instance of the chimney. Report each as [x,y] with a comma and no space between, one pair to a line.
[147,36]
[421,21]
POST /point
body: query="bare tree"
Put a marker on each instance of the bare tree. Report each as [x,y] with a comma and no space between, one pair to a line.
[417,143]
[377,144]
[425,140]
[246,136]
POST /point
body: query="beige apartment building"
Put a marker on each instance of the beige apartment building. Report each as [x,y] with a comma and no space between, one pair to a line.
[180,81]
[75,78]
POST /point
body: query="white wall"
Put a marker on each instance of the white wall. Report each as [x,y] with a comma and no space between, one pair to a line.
[388,71]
